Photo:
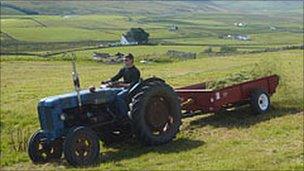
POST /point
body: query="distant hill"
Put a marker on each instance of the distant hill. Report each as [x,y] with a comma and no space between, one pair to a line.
[109,7]
[146,7]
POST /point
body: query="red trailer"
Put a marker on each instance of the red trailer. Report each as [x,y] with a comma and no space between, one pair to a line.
[256,93]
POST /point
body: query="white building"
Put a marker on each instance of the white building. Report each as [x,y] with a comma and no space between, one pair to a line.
[240,24]
[127,40]
[242,37]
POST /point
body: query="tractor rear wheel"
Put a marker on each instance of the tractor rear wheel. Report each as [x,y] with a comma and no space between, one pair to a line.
[81,147]
[40,151]
[156,113]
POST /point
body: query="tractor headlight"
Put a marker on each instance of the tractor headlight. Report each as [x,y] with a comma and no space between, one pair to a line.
[63,116]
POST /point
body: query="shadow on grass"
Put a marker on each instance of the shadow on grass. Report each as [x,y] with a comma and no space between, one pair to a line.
[240,118]
[134,149]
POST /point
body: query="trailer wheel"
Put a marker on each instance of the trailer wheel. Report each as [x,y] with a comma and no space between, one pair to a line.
[40,151]
[81,147]
[260,102]
[156,113]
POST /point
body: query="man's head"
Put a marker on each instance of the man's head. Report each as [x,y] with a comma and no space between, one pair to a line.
[129,60]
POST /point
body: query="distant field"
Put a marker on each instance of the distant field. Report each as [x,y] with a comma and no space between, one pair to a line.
[59,34]
[70,30]
[229,140]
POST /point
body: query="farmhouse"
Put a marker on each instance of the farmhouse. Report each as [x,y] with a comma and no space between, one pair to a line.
[242,37]
[125,40]
[240,24]
[235,36]
[173,28]
[272,28]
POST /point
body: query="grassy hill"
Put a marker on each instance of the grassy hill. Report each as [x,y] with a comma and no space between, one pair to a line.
[53,33]
[147,7]
[62,26]
[111,7]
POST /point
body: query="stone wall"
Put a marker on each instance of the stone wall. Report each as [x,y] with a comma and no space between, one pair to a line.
[181,55]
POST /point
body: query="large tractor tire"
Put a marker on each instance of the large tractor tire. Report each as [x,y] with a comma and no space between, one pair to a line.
[260,102]
[81,147]
[40,151]
[156,113]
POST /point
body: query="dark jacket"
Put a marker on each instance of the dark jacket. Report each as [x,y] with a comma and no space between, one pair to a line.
[129,75]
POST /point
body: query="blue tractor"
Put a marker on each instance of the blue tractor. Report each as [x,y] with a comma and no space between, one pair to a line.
[73,124]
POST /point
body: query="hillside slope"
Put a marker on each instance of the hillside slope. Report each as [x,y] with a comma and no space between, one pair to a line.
[148,7]
[111,7]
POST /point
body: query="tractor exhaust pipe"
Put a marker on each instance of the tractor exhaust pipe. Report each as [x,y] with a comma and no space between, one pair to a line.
[76,81]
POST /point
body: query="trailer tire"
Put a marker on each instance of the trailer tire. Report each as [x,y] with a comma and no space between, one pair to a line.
[260,102]
[156,113]
[81,147]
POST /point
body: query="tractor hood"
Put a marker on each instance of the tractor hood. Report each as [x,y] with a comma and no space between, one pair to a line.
[70,100]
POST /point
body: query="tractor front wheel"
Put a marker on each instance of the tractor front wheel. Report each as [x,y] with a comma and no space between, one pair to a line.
[40,151]
[81,147]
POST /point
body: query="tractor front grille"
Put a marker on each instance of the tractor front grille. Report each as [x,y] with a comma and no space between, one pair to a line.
[46,118]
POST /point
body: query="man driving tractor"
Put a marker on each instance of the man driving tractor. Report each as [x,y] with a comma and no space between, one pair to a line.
[130,75]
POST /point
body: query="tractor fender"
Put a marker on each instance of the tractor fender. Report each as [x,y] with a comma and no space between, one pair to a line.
[133,90]
[153,79]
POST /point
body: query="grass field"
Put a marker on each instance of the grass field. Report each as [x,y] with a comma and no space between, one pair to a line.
[227,140]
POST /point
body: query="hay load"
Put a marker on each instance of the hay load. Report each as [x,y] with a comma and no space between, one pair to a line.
[259,70]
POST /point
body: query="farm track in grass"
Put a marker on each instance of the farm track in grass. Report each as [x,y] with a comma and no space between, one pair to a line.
[226,140]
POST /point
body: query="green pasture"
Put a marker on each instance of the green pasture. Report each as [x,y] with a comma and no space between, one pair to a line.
[194,29]
[139,51]
[60,34]
[226,140]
